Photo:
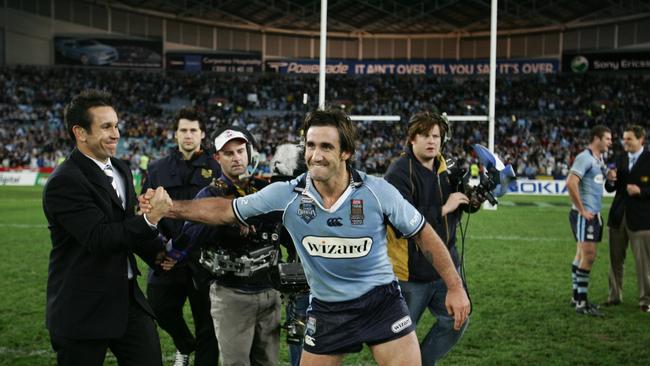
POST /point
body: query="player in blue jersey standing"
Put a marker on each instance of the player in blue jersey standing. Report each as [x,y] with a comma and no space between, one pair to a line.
[337,217]
[585,184]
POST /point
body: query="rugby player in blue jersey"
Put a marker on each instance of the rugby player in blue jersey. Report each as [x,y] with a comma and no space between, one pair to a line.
[585,184]
[337,218]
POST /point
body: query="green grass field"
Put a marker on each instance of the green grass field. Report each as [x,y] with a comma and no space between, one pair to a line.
[518,267]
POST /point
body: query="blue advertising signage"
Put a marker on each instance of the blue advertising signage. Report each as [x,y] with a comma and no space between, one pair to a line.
[217,62]
[413,67]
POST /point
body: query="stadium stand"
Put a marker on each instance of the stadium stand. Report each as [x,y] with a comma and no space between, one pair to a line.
[541,120]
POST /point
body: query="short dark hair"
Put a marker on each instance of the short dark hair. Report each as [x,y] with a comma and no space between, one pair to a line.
[638,131]
[76,112]
[422,122]
[598,131]
[338,119]
[189,114]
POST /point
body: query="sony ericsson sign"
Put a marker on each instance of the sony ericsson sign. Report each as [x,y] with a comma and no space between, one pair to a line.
[424,67]
[541,187]
[610,62]
[338,248]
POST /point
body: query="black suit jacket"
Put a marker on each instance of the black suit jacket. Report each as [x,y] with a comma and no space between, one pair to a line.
[635,208]
[92,237]
[182,180]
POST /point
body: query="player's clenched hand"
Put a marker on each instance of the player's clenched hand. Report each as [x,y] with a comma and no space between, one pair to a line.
[458,306]
[160,204]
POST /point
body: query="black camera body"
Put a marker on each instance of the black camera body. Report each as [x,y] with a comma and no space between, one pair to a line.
[477,194]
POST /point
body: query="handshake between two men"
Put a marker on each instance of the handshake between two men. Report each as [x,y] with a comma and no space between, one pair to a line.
[155,204]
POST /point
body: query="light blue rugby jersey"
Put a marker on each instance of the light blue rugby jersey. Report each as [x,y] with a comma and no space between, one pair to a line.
[591,172]
[343,249]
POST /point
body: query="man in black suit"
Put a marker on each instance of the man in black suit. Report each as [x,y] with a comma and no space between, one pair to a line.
[629,216]
[93,300]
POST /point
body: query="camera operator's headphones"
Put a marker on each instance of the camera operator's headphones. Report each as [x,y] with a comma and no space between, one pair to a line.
[442,120]
[224,134]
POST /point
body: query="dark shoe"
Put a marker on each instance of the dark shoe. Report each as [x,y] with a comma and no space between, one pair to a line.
[589,310]
[573,304]
[645,308]
[609,303]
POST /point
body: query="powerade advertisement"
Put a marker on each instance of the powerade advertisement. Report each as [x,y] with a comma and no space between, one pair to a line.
[405,67]
[217,62]
[581,63]
[107,52]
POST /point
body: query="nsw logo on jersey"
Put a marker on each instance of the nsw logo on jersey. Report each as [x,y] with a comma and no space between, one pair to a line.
[307,209]
[332,247]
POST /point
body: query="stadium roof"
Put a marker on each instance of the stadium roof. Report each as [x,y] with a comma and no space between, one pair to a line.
[393,16]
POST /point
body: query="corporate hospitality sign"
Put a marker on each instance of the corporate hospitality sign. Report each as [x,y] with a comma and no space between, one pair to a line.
[413,67]
[218,62]
[107,52]
[580,63]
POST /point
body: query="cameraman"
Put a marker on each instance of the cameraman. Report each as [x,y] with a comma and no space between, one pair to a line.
[421,176]
[245,308]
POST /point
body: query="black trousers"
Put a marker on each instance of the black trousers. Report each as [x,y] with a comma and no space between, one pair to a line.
[139,346]
[167,300]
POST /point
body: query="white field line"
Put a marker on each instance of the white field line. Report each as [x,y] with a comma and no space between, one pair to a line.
[471,238]
[22,226]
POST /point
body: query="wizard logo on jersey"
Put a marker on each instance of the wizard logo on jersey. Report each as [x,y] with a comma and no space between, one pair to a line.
[307,209]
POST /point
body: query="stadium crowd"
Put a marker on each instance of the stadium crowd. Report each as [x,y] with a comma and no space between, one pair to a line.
[542,120]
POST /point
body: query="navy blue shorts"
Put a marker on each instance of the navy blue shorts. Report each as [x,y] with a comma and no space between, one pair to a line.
[378,316]
[586,230]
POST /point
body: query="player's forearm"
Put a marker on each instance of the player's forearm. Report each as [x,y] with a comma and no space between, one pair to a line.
[435,251]
[574,192]
[211,211]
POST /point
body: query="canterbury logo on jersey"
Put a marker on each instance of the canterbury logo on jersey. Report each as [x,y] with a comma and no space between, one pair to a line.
[332,247]
[334,221]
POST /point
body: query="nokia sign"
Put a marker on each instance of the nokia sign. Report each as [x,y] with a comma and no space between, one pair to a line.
[541,187]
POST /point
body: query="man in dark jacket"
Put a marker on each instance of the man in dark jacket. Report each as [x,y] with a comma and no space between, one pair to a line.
[421,176]
[629,216]
[183,173]
[93,299]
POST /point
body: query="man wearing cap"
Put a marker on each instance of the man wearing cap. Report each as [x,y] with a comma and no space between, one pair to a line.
[183,173]
[245,308]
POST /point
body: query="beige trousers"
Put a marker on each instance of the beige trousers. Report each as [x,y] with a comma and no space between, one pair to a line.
[640,243]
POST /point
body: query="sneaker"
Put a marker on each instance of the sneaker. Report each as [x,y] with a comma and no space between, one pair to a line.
[181,359]
[589,310]
[573,304]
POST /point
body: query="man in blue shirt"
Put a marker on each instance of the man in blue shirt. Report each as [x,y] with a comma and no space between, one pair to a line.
[337,217]
[585,185]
